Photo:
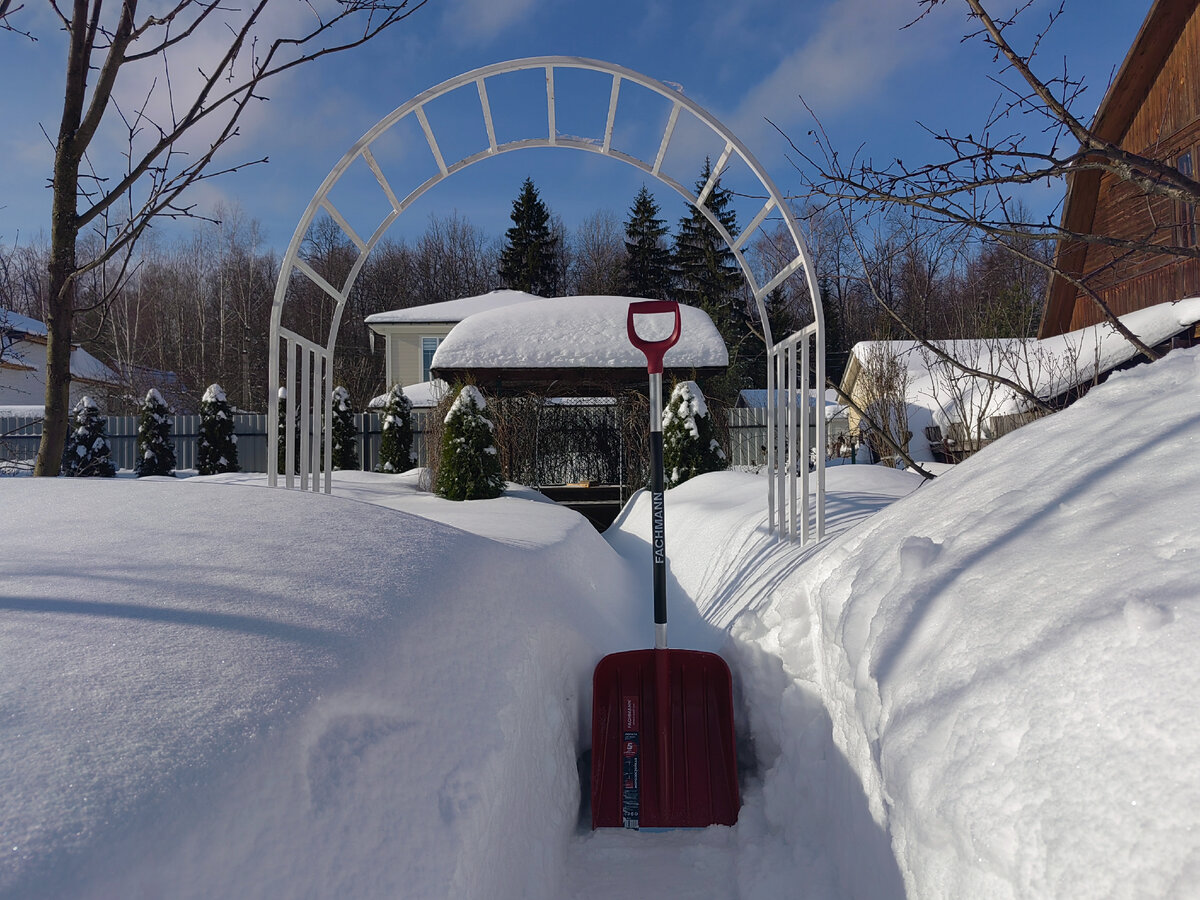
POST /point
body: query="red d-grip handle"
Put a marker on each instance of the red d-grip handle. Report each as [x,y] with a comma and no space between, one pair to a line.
[654,350]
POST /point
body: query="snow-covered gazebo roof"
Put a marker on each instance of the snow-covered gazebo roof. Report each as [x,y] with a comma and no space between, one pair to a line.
[575,342]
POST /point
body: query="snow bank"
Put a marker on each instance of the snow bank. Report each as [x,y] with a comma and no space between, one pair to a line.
[1007,655]
[982,686]
[196,705]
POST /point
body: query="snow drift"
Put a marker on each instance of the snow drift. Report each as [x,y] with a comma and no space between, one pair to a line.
[981,686]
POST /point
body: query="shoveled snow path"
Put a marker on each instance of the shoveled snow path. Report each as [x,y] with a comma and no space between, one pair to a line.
[714,604]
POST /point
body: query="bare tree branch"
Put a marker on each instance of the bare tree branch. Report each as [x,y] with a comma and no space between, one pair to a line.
[157,171]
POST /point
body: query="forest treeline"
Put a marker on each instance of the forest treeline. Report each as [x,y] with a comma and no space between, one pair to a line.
[194,311]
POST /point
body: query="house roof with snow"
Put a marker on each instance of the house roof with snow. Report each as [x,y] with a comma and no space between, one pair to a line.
[576,341]
[940,394]
[16,329]
[451,311]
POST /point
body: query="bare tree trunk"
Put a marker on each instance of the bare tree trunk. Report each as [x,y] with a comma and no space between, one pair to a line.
[64,232]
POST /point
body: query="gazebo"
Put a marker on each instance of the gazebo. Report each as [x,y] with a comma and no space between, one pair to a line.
[567,387]
[570,347]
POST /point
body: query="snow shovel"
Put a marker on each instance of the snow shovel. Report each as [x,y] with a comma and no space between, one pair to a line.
[662,720]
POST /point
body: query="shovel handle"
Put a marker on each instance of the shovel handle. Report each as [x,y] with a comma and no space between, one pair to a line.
[654,351]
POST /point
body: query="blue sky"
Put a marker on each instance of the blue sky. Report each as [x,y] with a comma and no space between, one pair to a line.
[746,62]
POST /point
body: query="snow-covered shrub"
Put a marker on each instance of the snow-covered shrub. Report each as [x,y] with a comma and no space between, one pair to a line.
[345,435]
[155,449]
[470,466]
[690,445]
[396,444]
[282,432]
[87,450]
[216,450]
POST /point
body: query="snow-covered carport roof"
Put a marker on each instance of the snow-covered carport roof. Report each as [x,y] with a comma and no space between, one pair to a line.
[576,345]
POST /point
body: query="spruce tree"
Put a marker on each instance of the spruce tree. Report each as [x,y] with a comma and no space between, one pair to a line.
[528,259]
[87,449]
[216,450]
[155,449]
[345,435]
[707,276]
[647,267]
[470,465]
[282,431]
[395,446]
[690,445]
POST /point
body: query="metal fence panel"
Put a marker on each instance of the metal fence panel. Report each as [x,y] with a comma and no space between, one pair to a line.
[19,439]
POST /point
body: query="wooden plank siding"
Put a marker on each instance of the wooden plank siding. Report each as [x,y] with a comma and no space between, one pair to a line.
[1152,108]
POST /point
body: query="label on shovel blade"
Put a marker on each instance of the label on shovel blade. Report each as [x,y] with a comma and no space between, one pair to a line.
[630,763]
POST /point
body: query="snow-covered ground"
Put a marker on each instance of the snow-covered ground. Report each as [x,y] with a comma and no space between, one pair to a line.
[982,686]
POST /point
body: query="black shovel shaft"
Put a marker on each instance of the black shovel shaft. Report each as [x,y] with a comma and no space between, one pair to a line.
[658,529]
[655,351]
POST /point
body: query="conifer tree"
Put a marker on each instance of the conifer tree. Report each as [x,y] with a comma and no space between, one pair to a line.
[647,267]
[345,435]
[87,449]
[470,465]
[282,426]
[217,449]
[395,446]
[707,276]
[529,257]
[155,449]
[690,445]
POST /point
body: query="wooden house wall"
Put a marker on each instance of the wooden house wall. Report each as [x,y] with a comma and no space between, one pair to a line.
[1166,122]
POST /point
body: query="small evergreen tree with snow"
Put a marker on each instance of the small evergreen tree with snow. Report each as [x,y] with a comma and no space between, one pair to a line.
[155,449]
[469,468]
[216,450]
[345,435]
[395,446]
[87,450]
[282,432]
[690,445]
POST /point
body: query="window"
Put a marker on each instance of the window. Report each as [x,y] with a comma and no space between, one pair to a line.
[429,347]
[1187,211]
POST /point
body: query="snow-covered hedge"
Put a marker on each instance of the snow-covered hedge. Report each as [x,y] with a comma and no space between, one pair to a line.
[155,448]
[690,445]
[216,451]
[470,465]
[87,449]
[396,443]
[345,435]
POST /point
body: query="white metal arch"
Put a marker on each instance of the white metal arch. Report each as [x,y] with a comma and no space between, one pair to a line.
[788,365]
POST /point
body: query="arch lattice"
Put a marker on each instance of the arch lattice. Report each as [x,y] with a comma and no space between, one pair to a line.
[307,365]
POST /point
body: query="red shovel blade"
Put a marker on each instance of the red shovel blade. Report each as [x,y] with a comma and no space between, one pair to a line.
[663,766]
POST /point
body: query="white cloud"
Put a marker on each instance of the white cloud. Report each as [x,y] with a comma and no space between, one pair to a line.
[853,48]
[482,20]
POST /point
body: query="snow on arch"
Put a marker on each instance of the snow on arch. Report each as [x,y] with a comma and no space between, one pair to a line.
[308,362]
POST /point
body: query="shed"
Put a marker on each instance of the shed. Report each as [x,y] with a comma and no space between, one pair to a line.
[942,402]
